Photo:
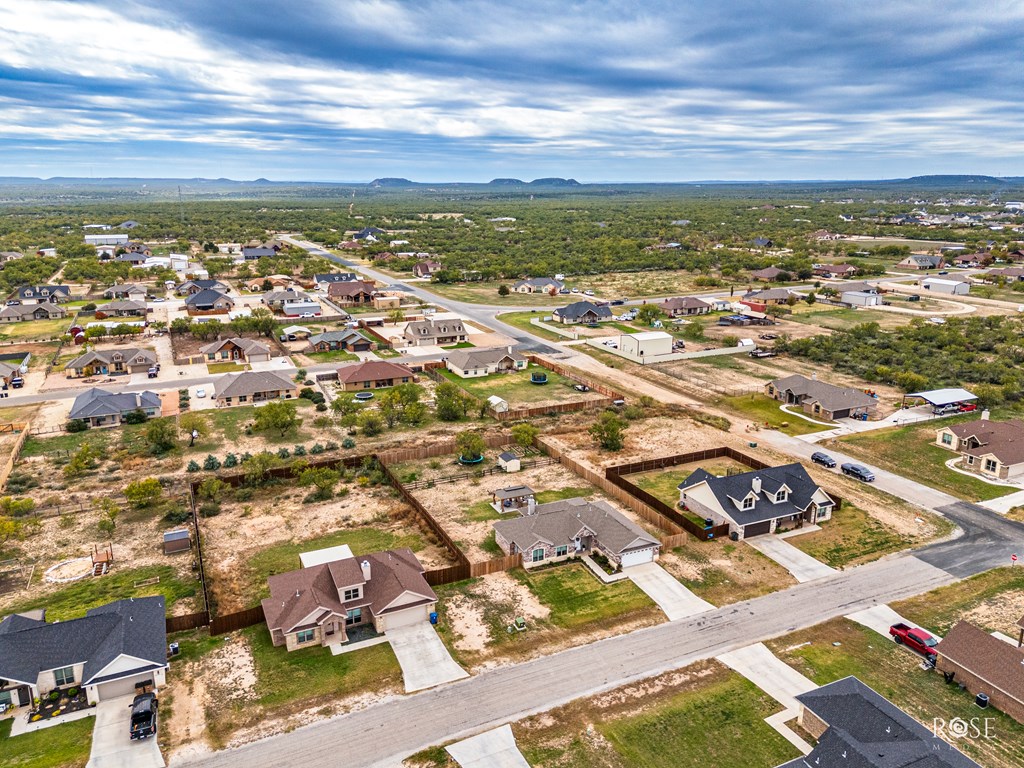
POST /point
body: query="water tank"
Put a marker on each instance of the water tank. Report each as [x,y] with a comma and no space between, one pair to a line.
[981,700]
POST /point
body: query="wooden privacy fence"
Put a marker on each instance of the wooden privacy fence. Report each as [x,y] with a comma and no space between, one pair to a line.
[496,565]
[8,465]
[238,620]
[574,376]
[702,533]
[188,621]
[545,410]
[686,458]
[525,464]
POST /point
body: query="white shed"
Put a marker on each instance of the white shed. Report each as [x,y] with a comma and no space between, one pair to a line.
[499,405]
[646,344]
[953,287]
[509,462]
[860,298]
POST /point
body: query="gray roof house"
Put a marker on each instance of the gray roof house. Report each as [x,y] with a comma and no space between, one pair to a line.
[108,651]
[322,281]
[922,261]
[570,528]
[346,340]
[771,296]
[757,502]
[538,285]
[235,348]
[44,293]
[126,291]
[253,387]
[468,363]
[581,312]
[251,254]
[112,361]
[685,305]
[209,300]
[190,287]
[821,399]
[858,728]
[102,408]
[421,333]
[41,311]
[122,308]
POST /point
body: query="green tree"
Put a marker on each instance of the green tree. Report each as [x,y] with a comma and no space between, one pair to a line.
[257,467]
[161,435]
[648,313]
[181,325]
[279,415]
[323,478]
[11,529]
[81,461]
[810,298]
[470,445]
[609,431]
[193,422]
[143,493]
[370,423]
[109,512]
[451,402]
[396,315]
[300,375]
[525,434]
[503,290]
[212,488]
[390,406]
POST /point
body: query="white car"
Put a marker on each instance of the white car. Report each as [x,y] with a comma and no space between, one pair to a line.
[588,292]
[307,315]
[200,392]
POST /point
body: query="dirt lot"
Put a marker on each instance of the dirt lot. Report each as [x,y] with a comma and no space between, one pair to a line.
[235,536]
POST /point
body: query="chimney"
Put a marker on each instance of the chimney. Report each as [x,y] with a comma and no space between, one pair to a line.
[755,484]
[365,565]
[984,415]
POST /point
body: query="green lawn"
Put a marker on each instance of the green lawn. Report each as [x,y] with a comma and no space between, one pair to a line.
[332,356]
[231,423]
[842,319]
[911,451]
[226,367]
[285,557]
[521,320]
[664,483]
[74,600]
[940,609]
[762,410]
[460,345]
[720,725]
[516,389]
[31,330]
[63,746]
[576,597]
[840,648]
[851,537]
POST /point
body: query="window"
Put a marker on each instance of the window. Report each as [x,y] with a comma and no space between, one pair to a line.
[990,465]
[561,551]
[748,503]
[823,512]
[782,495]
[970,460]
[352,594]
[241,398]
[354,616]
[305,635]
[64,676]
[947,438]
[537,555]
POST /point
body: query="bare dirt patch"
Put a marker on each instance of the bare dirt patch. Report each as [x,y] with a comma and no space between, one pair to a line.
[1001,612]
[468,619]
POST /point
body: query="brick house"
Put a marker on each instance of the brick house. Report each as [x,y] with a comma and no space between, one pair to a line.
[253,387]
[373,374]
[684,306]
[249,350]
[352,292]
[818,398]
[111,362]
[421,333]
[985,664]
[991,448]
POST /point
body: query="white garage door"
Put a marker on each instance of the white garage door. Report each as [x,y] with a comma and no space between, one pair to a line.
[122,687]
[638,558]
[406,618]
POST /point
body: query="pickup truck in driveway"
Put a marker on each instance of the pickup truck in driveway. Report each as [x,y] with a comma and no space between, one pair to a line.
[915,639]
[143,722]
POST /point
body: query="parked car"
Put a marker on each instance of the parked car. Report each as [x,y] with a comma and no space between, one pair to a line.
[13,303]
[152,373]
[307,315]
[943,271]
[158,299]
[942,410]
[200,392]
[143,719]
[581,388]
[574,290]
[17,382]
[915,639]
[618,302]
[818,457]
[588,292]
[564,291]
[858,471]
[968,407]
[768,336]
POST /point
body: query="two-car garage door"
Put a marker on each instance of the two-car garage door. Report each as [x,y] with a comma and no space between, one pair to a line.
[123,687]
[637,558]
[757,529]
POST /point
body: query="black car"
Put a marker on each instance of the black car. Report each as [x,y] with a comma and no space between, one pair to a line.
[823,458]
[143,722]
[858,471]
[618,303]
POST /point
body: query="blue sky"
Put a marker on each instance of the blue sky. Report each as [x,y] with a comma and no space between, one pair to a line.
[444,90]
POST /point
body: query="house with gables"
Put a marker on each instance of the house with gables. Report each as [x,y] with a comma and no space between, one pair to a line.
[111,362]
[43,294]
[235,348]
[421,333]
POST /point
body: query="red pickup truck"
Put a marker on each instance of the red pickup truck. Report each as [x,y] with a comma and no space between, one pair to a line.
[915,639]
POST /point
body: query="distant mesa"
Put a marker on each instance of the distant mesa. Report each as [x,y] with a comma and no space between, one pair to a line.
[262,181]
[506,182]
[390,182]
[554,181]
[955,179]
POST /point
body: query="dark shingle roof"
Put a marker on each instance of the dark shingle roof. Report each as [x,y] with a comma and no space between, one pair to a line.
[207,296]
[578,309]
[831,397]
[866,730]
[731,489]
[558,522]
[97,402]
[335,277]
[131,627]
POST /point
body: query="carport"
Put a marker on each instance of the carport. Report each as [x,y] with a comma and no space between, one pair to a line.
[940,398]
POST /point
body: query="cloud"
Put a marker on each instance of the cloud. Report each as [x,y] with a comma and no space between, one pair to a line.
[649,90]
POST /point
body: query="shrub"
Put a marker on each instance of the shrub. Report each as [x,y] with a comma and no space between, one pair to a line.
[177,515]
[283,453]
[331,446]
[244,494]
[299,450]
[348,443]
[231,460]
[76,425]
[322,422]
[90,307]
[209,509]
[321,407]
[317,449]
[192,466]
[138,416]
[211,463]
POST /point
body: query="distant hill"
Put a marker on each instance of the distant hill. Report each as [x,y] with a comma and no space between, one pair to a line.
[390,182]
[506,182]
[950,180]
[554,181]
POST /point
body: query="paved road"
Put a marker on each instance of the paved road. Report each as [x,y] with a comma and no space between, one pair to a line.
[383,734]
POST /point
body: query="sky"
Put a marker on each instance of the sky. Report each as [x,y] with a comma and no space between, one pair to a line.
[469,90]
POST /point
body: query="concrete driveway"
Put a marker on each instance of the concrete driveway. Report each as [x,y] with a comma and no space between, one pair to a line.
[672,597]
[801,565]
[769,673]
[878,618]
[424,660]
[491,749]
[111,746]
